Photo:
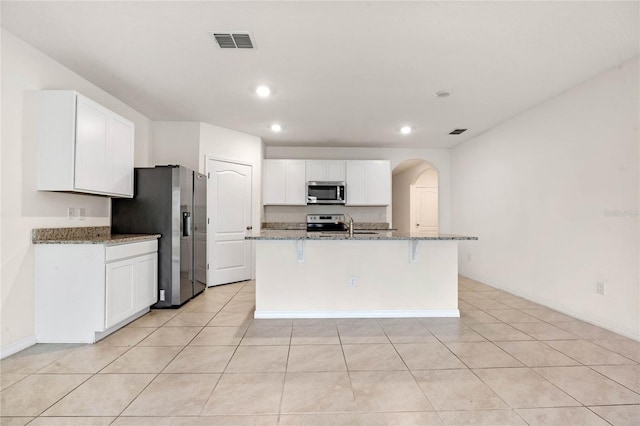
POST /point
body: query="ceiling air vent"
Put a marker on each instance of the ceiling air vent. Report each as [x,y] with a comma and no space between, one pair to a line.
[233,40]
[457,131]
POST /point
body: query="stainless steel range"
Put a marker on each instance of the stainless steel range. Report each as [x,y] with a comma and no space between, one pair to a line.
[326,223]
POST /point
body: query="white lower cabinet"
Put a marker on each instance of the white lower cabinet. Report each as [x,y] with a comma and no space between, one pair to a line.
[86,291]
[129,285]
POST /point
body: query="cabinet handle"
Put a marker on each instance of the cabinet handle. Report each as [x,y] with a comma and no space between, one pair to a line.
[249,228]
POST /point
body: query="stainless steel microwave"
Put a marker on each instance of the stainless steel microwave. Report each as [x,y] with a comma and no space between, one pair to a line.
[319,192]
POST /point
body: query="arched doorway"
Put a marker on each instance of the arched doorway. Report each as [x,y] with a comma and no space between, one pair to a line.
[415,196]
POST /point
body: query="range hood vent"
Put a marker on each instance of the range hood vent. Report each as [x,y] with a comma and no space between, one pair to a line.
[236,40]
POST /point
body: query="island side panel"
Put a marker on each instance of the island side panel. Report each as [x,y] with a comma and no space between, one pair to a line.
[387,283]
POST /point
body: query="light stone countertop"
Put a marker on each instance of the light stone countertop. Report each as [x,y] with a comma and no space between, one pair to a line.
[86,235]
[358,235]
[301,226]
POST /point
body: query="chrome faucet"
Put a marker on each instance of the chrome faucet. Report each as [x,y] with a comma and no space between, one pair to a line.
[348,224]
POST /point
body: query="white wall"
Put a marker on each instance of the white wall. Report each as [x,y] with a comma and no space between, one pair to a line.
[402,192]
[538,191]
[176,142]
[189,143]
[438,157]
[25,70]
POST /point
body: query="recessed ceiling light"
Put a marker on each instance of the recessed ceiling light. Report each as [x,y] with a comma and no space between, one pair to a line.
[405,130]
[263,91]
[276,127]
[442,94]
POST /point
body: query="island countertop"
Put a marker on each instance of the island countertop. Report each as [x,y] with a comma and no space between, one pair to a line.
[359,235]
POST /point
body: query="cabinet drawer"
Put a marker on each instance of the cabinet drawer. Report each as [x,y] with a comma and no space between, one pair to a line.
[122,251]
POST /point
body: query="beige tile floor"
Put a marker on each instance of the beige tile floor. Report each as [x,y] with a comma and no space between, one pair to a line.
[506,361]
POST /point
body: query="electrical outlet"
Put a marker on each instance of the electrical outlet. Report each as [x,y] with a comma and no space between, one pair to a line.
[601,288]
[353,281]
[162,297]
[71,213]
[82,213]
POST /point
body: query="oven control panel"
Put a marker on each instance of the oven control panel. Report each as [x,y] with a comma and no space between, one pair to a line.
[325,218]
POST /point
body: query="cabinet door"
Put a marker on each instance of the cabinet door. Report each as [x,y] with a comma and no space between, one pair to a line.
[146,271]
[335,170]
[284,182]
[316,170]
[378,183]
[356,183]
[120,156]
[91,171]
[368,183]
[325,170]
[273,185]
[121,291]
[296,184]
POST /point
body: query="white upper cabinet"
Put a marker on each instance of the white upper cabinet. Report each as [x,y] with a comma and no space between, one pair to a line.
[284,182]
[368,182]
[83,146]
[326,170]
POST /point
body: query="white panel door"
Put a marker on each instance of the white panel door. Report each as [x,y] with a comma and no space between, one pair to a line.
[229,211]
[426,208]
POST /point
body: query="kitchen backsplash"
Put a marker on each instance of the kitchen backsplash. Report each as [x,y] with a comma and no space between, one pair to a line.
[299,213]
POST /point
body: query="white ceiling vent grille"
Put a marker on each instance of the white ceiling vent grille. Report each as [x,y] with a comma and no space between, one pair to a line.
[236,40]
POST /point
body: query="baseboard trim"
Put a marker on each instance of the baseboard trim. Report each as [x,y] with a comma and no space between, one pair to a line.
[623,331]
[418,313]
[17,346]
[101,335]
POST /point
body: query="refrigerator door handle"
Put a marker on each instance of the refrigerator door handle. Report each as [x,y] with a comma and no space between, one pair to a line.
[186,224]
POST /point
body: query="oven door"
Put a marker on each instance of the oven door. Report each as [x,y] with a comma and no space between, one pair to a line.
[325,193]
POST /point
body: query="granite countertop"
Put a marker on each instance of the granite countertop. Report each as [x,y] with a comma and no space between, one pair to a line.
[86,235]
[369,235]
[301,226]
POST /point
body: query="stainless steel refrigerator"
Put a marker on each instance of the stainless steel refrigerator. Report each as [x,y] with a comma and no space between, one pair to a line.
[170,201]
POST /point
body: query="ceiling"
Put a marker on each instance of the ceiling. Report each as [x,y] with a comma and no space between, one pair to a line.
[341,73]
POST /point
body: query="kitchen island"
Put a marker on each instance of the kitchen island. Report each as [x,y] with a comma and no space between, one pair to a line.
[379,274]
